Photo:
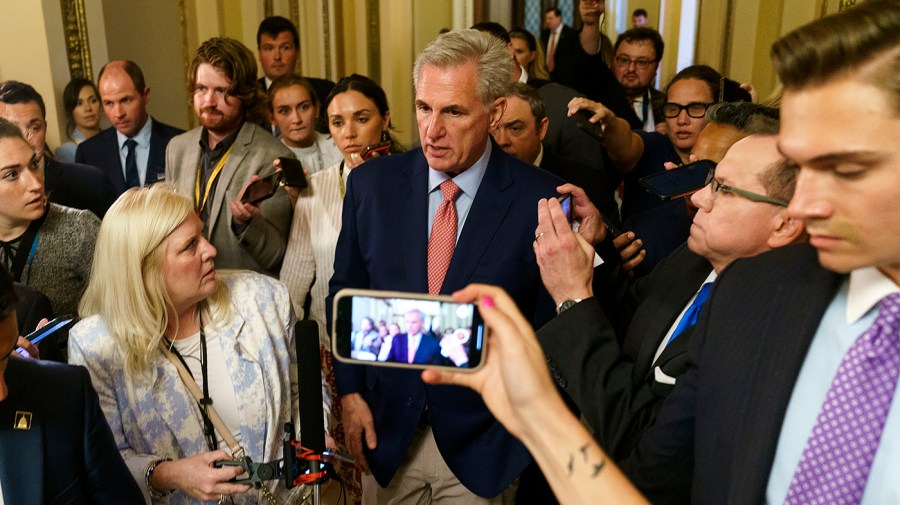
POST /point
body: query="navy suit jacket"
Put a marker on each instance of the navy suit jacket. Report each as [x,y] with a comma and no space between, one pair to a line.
[428,352]
[383,245]
[78,186]
[716,435]
[102,151]
[68,455]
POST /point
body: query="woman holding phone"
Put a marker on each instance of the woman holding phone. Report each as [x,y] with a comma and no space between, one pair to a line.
[169,343]
[358,117]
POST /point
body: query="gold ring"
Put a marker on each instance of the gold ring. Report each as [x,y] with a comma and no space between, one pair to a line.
[539,235]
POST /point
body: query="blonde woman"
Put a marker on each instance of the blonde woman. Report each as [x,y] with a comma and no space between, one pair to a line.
[154,291]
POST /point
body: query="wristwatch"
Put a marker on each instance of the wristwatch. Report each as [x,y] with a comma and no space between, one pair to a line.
[567,304]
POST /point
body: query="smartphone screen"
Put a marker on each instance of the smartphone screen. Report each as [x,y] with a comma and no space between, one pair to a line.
[376,150]
[679,181]
[293,172]
[262,189]
[407,330]
[565,202]
[48,329]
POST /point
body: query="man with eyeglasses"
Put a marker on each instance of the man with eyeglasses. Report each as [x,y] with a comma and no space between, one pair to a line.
[637,55]
[619,354]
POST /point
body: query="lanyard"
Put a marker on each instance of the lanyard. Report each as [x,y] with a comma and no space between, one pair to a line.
[29,242]
[209,431]
[341,179]
[198,203]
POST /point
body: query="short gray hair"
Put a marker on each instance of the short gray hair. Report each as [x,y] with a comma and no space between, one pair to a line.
[492,60]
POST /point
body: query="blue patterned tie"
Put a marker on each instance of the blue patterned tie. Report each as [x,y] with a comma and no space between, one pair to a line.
[690,315]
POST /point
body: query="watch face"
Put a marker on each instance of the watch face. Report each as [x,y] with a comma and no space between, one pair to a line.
[566,305]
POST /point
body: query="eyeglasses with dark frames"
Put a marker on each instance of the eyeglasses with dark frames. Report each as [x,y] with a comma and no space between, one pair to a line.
[625,62]
[694,109]
[719,186]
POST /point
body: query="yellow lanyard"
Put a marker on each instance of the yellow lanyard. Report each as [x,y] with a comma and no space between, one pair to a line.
[200,204]
[341,179]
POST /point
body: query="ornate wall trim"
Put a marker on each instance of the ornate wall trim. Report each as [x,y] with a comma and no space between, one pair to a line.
[373,35]
[78,48]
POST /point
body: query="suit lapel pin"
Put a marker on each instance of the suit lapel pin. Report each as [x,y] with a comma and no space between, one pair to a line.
[22,421]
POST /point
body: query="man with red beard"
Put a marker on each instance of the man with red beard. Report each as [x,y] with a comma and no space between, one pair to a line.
[215,162]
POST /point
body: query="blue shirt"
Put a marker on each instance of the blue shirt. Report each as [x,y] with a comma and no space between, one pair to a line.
[468,182]
[658,149]
[142,150]
[853,309]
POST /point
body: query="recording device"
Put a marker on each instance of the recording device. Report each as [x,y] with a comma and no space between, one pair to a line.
[565,201]
[379,149]
[679,181]
[293,172]
[582,120]
[611,229]
[262,189]
[48,329]
[306,461]
[443,333]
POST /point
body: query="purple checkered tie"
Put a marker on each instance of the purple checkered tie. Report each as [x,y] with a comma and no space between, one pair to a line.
[838,455]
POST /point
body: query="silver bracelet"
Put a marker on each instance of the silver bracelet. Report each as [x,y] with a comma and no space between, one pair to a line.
[155,493]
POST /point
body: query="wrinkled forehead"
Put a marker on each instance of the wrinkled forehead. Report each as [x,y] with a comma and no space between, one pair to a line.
[748,159]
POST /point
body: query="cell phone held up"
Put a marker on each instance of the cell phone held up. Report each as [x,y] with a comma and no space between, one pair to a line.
[262,190]
[679,181]
[375,150]
[583,121]
[57,324]
[420,331]
[294,175]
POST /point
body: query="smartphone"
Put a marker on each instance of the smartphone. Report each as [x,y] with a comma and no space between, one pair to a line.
[375,149]
[582,120]
[679,181]
[565,201]
[293,172]
[45,331]
[611,229]
[444,333]
[262,189]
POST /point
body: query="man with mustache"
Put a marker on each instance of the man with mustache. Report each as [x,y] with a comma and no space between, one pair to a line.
[215,162]
[132,152]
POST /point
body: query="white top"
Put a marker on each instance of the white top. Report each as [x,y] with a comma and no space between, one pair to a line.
[322,154]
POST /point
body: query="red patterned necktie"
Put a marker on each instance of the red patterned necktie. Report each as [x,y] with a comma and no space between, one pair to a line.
[443,237]
[835,464]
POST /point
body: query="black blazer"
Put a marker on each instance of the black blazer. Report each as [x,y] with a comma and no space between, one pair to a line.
[78,186]
[383,244]
[566,36]
[67,455]
[102,151]
[593,181]
[716,436]
[615,385]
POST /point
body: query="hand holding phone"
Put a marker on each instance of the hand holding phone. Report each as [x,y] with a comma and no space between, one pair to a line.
[433,331]
[262,189]
[293,172]
[376,150]
[45,331]
[582,120]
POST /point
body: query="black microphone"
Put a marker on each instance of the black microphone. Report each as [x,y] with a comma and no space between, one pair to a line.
[309,378]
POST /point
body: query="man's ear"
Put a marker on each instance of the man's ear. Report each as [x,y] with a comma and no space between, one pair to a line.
[498,108]
[786,230]
[542,128]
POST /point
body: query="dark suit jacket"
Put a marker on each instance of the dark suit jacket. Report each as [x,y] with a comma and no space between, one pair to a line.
[78,186]
[383,245]
[565,37]
[615,386]
[68,456]
[592,181]
[716,435]
[428,352]
[102,151]
[662,229]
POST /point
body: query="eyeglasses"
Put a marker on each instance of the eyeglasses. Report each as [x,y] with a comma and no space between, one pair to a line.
[718,186]
[694,109]
[624,61]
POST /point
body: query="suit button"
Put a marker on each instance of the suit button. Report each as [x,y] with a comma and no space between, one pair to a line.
[562,383]
[552,365]
[409,401]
